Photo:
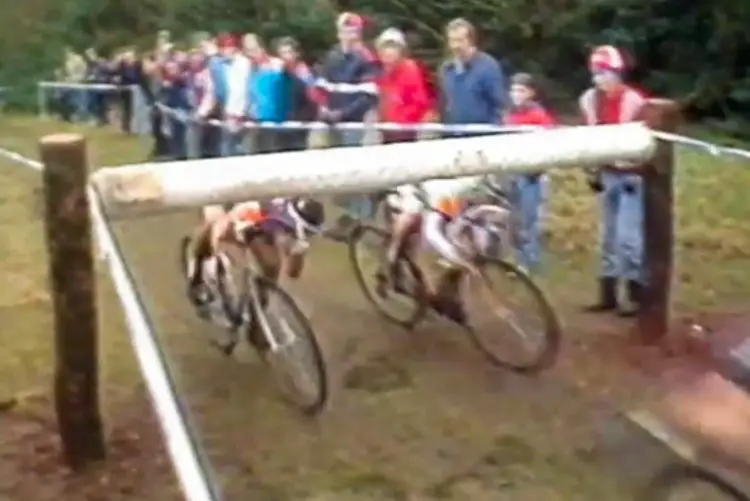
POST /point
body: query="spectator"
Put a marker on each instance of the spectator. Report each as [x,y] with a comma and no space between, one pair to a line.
[300,92]
[200,87]
[473,84]
[175,96]
[268,100]
[129,75]
[230,72]
[403,93]
[74,100]
[611,101]
[151,89]
[350,62]
[527,189]
[100,72]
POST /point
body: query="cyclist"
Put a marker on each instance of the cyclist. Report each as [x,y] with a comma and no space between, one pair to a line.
[273,231]
[412,216]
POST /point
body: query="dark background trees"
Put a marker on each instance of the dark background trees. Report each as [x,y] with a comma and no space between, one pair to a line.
[696,51]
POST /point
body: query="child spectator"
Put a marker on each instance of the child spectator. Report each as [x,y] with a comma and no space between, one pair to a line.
[300,92]
[267,100]
[527,190]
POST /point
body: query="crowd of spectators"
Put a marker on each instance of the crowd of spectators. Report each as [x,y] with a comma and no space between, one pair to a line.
[237,79]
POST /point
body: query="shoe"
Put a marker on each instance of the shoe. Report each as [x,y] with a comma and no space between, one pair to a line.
[607,296]
[635,296]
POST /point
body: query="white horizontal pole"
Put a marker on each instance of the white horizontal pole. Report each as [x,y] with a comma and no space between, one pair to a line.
[157,187]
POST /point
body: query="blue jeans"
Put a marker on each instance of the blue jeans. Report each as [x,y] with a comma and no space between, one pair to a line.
[356,206]
[178,138]
[527,198]
[622,240]
[82,101]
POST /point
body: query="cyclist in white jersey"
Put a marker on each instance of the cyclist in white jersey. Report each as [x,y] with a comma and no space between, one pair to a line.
[449,196]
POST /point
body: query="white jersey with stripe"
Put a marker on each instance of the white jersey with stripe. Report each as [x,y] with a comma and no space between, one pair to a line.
[444,194]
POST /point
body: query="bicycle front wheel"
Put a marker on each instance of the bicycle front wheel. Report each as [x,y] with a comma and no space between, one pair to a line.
[367,253]
[290,348]
[503,295]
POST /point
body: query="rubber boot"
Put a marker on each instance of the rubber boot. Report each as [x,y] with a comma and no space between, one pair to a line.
[607,296]
[635,295]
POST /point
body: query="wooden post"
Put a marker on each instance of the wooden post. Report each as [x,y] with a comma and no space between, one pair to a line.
[658,221]
[73,281]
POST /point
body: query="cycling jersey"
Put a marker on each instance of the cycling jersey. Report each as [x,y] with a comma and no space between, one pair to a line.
[447,195]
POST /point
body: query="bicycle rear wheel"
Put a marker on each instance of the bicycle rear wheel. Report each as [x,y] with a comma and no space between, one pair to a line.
[530,339]
[367,255]
[297,362]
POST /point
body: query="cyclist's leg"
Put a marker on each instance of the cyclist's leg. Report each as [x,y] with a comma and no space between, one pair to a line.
[267,254]
[445,293]
[405,218]
[293,261]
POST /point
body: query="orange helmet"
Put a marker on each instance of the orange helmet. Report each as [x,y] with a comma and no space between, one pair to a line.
[607,58]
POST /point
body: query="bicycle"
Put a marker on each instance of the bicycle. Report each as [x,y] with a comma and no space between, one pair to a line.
[242,305]
[487,257]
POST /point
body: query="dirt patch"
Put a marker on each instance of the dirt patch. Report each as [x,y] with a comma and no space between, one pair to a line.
[31,465]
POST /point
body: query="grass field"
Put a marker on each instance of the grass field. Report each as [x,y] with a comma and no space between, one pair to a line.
[414,416]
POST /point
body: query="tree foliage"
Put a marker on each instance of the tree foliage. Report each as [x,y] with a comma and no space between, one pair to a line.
[697,51]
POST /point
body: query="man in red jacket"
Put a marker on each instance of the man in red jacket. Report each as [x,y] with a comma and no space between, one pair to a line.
[402,88]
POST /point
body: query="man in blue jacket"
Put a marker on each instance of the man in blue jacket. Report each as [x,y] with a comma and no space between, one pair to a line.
[474,87]
[349,62]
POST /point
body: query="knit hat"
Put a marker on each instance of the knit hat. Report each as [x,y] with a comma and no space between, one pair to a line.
[391,36]
[607,58]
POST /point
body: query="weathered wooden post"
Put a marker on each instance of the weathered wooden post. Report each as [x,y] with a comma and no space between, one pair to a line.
[653,318]
[73,280]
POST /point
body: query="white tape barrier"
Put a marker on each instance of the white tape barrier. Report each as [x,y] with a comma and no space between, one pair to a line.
[186,117]
[186,460]
[82,86]
[154,187]
[710,148]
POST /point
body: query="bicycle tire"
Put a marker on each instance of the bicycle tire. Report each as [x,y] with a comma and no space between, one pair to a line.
[420,304]
[185,243]
[269,288]
[664,485]
[552,330]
